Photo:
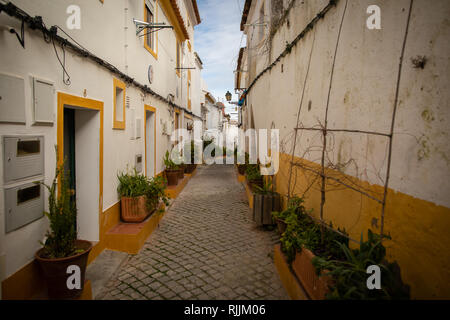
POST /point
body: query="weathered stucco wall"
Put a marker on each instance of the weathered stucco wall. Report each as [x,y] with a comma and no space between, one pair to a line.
[362,97]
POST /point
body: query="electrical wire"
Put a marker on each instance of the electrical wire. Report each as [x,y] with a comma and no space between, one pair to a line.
[50,35]
[63,63]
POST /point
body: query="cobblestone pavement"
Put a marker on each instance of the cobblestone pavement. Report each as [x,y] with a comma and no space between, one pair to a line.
[207,247]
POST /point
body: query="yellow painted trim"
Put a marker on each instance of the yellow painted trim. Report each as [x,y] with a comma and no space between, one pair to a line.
[189,46]
[133,243]
[119,125]
[168,10]
[188,91]
[154,53]
[151,109]
[24,283]
[188,116]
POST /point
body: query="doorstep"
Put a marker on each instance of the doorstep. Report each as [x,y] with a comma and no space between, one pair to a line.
[290,282]
[103,269]
[85,295]
[173,191]
[130,237]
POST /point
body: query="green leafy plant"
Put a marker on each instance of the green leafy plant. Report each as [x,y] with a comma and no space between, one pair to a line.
[156,191]
[266,189]
[169,164]
[135,185]
[132,184]
[349,274]
[302,232]
[252,171]
[62,214]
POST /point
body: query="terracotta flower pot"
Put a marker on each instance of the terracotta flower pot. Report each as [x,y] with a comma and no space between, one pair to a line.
[189,168]
[172,177]
[55,271]
[317,287]
[134,209]
[181,172]
[241,169]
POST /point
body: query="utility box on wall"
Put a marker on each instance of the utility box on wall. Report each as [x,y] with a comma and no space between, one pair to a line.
[43,101]
[23,157]
[12,99]
[23,204]
[138,163]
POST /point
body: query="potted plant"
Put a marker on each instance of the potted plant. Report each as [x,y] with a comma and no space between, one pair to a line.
[180,163]
[265,201]
[295,206]
[254,176]
[349,274]
[189,153]
[171,170]
[156,193]
[61,248]
[140,196]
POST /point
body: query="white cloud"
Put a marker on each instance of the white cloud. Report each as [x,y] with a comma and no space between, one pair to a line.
[217,41]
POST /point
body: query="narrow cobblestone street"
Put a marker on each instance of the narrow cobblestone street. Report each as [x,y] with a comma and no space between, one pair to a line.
[207,247]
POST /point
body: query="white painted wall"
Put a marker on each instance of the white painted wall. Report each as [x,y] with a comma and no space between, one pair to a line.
[363,90]
[106,30]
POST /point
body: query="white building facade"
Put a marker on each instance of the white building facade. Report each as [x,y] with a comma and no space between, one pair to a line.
[85,80]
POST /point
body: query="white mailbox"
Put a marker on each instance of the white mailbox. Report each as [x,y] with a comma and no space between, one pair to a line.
[23,204]
[23,157]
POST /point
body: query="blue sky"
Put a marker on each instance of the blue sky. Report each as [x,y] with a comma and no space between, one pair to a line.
[217,41]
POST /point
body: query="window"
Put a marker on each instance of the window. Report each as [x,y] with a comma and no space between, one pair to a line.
[119,105]
[178,57]
[150,39]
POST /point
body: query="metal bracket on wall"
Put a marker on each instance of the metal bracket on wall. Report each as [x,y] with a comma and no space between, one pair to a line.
[142,25]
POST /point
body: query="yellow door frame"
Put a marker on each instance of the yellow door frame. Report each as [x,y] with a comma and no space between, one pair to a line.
[151,109]
[68,99]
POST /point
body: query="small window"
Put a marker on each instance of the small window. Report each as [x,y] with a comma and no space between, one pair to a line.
[27,194]
[150,34]
[119,105]
[27,148]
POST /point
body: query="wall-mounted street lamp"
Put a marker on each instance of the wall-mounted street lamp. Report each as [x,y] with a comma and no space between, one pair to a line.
[228,96]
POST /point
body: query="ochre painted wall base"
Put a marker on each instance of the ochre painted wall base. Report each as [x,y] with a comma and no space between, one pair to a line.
[289,280]
[173,191]
[130,238]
